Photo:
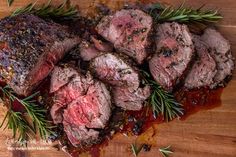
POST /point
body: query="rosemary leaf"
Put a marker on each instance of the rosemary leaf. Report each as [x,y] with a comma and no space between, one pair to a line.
[161,101]
[161,13]
[60,12]
[166,151]
[135,149]
[17,120]
[9,2]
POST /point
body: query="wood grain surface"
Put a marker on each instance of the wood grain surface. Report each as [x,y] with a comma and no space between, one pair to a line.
[209,133]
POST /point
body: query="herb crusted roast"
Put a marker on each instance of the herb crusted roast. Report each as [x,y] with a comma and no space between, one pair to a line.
[81,103]
[123,79]
[221,53]
[29,49]
[129,31]
[203,70]
[174,53]
[114,71]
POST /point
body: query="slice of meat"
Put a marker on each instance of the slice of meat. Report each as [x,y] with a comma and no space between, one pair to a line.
[80,135]
[221,52]
[76,87]
[173,55]
[89,50]
[91,111]
[113,70]
[83,105]
[61,76]
[130,99]
[204,68]
[129,31]
[29,49]
[102,46]
[124,80]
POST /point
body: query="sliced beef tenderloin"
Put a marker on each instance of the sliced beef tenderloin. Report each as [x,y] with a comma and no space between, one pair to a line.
[123,79]
[61,76]
[90,111]
[129,31]
[130,99]
[76,86]
[80,135]
[29,49]
[90,50]
[113,70]
[173,55]
[82,104]
[101,45]
[221,52]
[204,68]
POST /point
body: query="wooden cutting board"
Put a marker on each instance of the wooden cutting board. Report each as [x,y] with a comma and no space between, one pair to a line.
[209,133]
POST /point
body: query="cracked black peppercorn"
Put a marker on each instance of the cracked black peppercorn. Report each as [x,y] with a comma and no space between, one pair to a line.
[147,147]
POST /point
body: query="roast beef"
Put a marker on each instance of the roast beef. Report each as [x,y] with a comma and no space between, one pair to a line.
[81,103]
[129,31]
[80,134]
[123,79]
[221,52]
[204,67]
[130,99]
[61,76]
[90,50]
[174,53]
[90,111]
[71,88]
[29,49]
[113,70]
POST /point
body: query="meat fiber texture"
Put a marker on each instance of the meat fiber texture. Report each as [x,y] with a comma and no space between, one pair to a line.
[203,70]
[123,79]
[174,53]
[221,52]
[29,49]
[129,31]
[81,103]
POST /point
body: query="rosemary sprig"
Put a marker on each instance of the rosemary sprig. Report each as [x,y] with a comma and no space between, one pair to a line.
[60,12]
[135,149]
[18,122]
[162,102]
[161,13]
[9,2]
[166,151]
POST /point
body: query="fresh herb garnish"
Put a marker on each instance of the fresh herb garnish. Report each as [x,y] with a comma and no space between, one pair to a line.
[166,151]
[162,13]
[9,2]
[162,102]
[61,12]
[135,149]
[18,121]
